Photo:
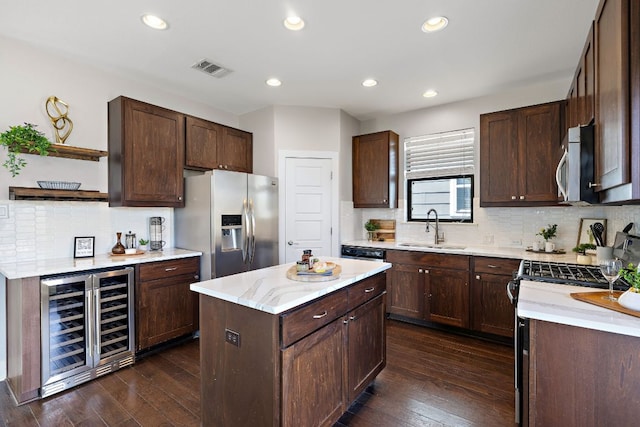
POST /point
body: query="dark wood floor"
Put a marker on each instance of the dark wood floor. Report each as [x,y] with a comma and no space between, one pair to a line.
[432,379]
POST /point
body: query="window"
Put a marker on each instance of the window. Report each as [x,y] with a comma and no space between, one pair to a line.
[439,175]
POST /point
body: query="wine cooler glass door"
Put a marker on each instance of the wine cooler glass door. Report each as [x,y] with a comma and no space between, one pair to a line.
[66,328]
[114,314]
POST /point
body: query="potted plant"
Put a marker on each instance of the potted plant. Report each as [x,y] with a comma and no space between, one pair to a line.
[548,234]
[143,244]
[20,139]
[371,227]
[581,251]
[631,298]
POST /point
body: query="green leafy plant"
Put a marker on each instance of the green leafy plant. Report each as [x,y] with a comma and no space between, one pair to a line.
[19,139]
[631,274]
[143,242]
[583,247]
[549,232]
[371,226]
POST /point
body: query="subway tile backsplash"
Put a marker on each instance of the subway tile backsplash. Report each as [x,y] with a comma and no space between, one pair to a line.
[46,230]
[503,227]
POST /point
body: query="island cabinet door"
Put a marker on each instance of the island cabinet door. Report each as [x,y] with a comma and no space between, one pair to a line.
[367,351]
[312,378]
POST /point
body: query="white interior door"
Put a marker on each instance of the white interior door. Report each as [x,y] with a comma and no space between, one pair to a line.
[308,210]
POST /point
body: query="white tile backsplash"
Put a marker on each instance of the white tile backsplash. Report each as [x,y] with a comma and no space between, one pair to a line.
[501,227]
[46,229]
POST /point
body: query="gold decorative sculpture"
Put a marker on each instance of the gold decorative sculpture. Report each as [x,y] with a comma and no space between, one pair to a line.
[59,120]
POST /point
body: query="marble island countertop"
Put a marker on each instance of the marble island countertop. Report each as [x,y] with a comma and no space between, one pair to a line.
[269,289]
[462,249]
[44,267]
[553,303]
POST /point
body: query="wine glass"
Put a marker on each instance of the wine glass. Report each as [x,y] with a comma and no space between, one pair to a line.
[610,269]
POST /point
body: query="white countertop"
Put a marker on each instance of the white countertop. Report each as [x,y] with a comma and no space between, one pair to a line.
[44,267]
[269,290]
[475,250]
[553,303]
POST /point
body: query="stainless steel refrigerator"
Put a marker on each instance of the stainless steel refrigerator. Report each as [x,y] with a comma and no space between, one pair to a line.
[232,218]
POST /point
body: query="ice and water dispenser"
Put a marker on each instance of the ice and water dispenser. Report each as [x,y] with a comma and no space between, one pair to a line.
[231,232]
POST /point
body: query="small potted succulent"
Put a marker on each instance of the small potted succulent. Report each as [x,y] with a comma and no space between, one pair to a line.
[548,234]
[371,228]
[631,298]
[581,251]
[21,139]
[143,244]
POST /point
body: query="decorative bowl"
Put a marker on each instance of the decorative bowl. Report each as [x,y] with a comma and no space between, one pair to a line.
[58,185]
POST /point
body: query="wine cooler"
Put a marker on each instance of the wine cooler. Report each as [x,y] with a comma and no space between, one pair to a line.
[87,327]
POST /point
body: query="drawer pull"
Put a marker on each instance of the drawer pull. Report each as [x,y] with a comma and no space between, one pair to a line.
[352,318]
[492,266]
[320,316]
[369,290]
[170,268]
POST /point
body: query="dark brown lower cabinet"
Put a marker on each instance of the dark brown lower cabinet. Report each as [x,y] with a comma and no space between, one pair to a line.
[301,368]
[491,310]
[165,306]
[582,377]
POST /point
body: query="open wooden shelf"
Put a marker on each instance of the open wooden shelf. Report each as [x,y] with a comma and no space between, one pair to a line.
[62,150]
[26,193]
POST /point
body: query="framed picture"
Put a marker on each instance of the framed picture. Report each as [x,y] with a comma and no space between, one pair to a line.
[83,247]
[585,234]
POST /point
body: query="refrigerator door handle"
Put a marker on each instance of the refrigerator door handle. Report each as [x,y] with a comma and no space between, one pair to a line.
[245,232]
[252,235]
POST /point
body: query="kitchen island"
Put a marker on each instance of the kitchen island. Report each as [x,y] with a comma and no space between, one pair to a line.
[276,351]
[583,363]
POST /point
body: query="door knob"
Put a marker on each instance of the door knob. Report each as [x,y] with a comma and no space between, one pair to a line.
[290,243]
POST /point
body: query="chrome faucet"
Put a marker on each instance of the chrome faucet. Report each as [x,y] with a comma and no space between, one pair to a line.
[436,238]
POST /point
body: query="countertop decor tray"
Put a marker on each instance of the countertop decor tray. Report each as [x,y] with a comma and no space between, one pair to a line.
[596,299]
[138,252]
[292,273]
[555,252]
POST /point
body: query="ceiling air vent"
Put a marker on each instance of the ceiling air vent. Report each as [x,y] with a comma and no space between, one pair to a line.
[210,68]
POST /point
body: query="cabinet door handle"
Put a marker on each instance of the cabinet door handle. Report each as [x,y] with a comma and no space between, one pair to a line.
[593,184]
[521,197]
[477,277]
[197,277]
[420,270]
[320,316]
[170,268]
[369,290]
[426,272]
[513,197]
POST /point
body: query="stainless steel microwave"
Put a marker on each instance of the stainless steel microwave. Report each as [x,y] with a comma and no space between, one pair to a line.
[575,171]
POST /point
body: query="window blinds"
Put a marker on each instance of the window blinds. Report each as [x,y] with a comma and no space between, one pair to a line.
[440,154]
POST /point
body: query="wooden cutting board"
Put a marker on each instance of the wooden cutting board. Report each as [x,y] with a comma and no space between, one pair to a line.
[596,299]
[292,274]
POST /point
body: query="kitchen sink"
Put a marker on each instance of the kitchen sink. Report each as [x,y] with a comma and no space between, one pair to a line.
[432,246]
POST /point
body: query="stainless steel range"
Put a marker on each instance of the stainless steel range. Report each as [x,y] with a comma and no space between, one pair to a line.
[550,272]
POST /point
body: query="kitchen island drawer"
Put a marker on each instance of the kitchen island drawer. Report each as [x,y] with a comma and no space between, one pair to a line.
[170,268]
[366,290]
[503,266]
[300,322]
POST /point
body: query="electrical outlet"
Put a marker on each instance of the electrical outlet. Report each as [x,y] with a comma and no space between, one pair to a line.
[232,337]
[4,211]
[516,242]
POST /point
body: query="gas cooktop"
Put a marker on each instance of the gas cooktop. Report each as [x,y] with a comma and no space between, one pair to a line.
[568,274]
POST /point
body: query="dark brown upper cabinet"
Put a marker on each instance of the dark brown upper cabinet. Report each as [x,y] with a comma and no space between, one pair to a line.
[375,170]
[146,154]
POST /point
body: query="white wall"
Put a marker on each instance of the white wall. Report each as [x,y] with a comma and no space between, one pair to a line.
[29,75]
[262,123]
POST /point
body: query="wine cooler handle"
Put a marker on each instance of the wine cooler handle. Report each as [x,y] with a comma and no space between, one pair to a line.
[95,333]
[88,323]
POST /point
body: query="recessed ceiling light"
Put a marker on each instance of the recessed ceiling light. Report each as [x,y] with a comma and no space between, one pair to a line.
[273,82]
[154,22]
[369,83]
[294,23]
[436,23]
[430,93]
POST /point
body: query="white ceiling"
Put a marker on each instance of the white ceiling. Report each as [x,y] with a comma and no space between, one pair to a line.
[489,46]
